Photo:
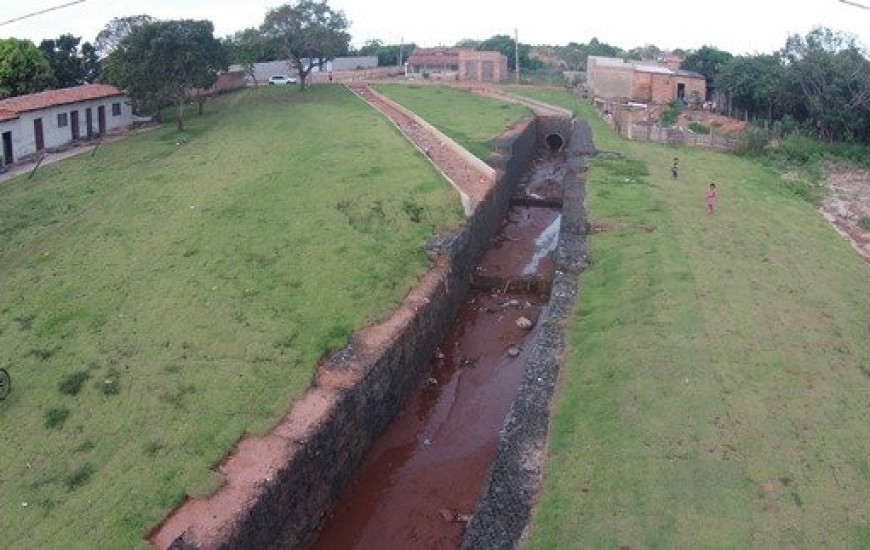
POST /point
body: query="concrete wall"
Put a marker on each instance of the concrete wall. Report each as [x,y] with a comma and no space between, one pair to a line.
[323,454]
[609,78]
[55,136]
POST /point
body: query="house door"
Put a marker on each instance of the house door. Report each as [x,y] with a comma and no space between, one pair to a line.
[101,119]
[681,92]
[488,71]
[37,134]
[74,123]
[89,122]
[7,148]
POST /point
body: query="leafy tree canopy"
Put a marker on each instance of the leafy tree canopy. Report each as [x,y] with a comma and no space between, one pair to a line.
[388,54]
[706,61]
[165,61]
[508,47]
[23,68]
[308,33]
[116,30]
[72,65]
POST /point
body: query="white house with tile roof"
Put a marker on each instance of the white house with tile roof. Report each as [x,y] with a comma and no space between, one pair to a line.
[50,120]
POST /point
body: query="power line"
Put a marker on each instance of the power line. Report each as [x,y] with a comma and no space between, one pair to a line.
[40,12]
[856,4]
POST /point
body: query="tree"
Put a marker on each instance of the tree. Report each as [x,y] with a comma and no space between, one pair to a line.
[572,55]
[643,53]
[91,67]
[596,47]
[116,30]
[23,68]
[308,33]
[753,83]
[509,48]
[70,64]
[249,47]
[388,54]
[706,61]
[830,76]
[165,61]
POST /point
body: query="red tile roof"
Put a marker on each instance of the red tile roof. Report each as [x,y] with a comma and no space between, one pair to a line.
[7,115]
[64,96]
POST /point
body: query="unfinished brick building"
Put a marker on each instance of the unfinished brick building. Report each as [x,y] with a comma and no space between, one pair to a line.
[458,63]
[642,81]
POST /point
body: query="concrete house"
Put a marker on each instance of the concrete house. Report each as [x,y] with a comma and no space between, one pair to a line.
[33,123]
[458,63]
[642,81]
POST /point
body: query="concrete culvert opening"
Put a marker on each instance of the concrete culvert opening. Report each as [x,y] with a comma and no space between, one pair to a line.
[554,142]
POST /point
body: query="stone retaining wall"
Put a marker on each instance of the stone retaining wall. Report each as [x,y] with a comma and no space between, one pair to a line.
[360,390]
[505,504]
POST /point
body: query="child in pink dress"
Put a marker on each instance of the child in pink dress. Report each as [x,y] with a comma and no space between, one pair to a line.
[711,198]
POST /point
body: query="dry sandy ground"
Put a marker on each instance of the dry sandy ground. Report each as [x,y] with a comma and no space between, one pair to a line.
[848,203]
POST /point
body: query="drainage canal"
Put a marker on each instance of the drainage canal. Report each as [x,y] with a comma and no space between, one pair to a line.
[420,482]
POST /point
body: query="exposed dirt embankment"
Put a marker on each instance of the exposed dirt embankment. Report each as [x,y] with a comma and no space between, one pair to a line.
[847,206]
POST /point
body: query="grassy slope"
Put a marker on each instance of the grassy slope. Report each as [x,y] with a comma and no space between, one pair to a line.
[715,395]
[201,276]
[471,120]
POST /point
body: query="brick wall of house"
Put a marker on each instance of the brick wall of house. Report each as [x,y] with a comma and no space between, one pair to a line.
[698,85]
[642,87]
[663,88]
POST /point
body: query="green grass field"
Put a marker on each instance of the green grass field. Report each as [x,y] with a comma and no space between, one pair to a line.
[715,394]
[470,119]
[165,296]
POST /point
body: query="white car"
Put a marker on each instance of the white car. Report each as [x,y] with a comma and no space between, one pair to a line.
[281,79]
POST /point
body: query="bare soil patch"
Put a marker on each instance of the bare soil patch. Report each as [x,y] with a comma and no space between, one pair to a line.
[847,206]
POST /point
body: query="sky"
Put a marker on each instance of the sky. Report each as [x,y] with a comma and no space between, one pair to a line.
[736,26]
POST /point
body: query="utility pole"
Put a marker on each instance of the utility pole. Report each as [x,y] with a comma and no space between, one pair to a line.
[401,46]
[517,56]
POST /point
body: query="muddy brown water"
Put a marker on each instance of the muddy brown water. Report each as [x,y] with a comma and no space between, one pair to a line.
[419,484]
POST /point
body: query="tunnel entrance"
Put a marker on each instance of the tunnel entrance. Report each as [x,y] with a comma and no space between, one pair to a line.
[554,142]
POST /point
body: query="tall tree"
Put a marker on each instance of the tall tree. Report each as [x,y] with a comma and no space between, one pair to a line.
[707,61]
[71,64]
[831,75]
[509,48]
[308,33]
[388,55]
[23,68]
[753,83]
[165,61]
[116,30]
[249,47]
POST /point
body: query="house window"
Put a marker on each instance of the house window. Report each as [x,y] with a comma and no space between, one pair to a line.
[116,109]
[62,120]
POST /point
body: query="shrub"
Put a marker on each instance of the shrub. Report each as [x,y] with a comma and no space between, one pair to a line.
[801,149]
[55,418]
[111,384]
[72,384]
[753,141]
[864,223]
[78,477]
[698,128]
[670,114]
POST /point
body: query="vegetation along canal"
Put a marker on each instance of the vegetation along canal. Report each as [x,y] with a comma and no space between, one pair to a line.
[419,484]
